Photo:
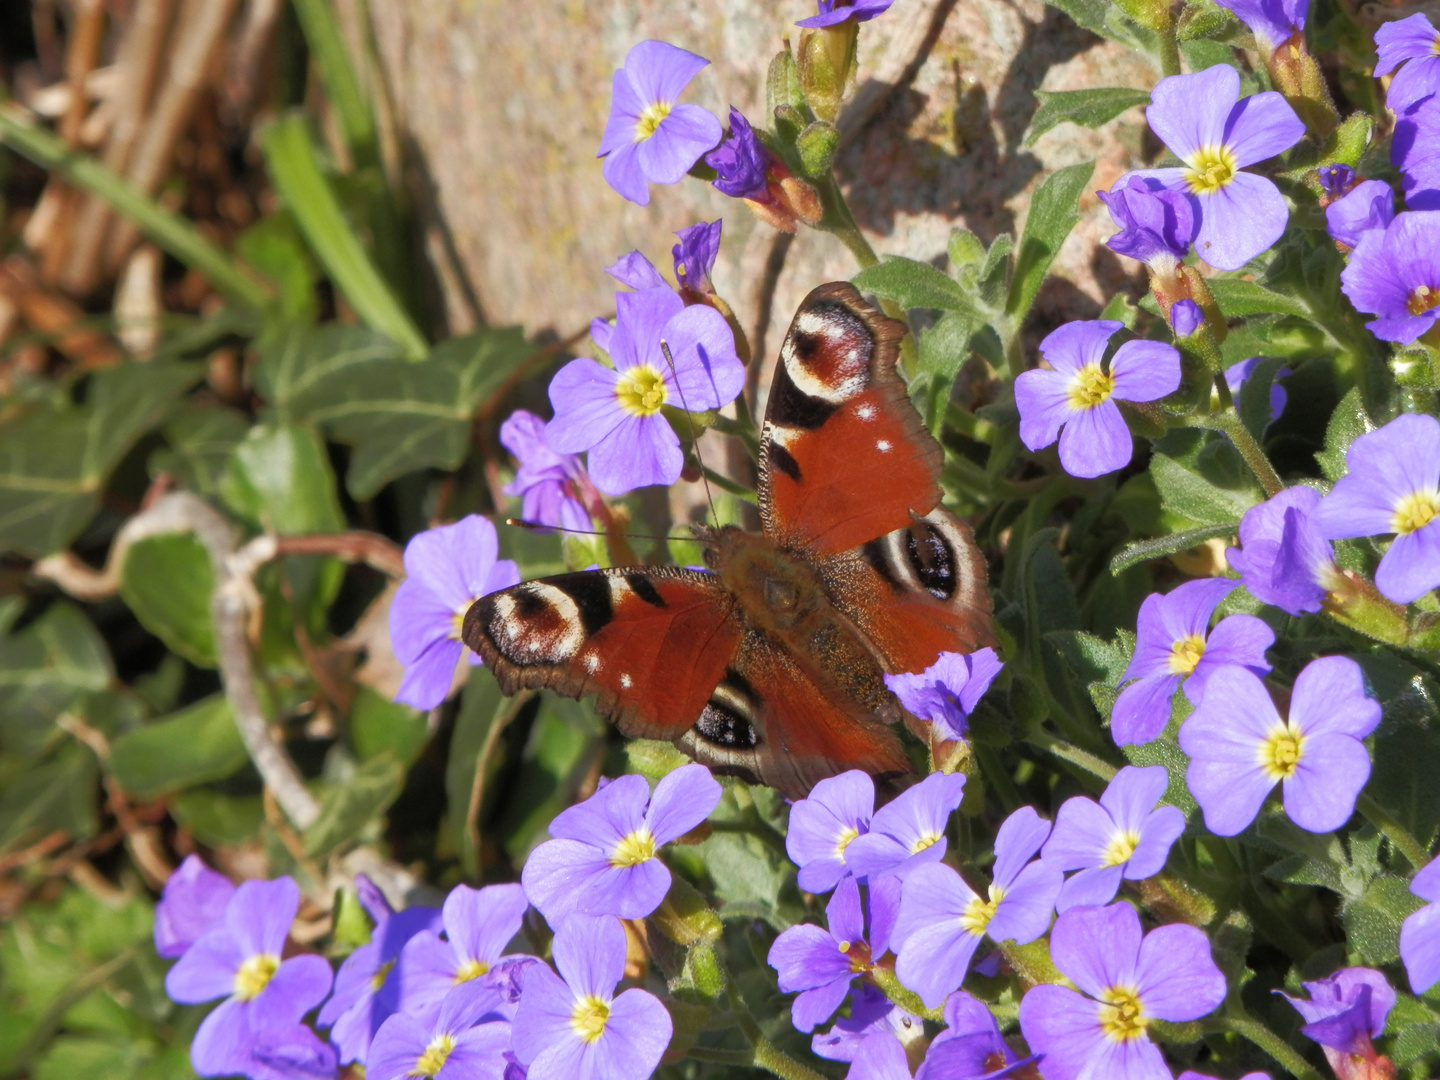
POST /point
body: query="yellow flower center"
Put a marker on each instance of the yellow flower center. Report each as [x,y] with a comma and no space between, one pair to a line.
[1281,752]
[1091,386]
[378,979]
[1211,168]
[641,390]
[650,119]
[255,974]
[978,913]
[1121,1016]
[1422,300]
[923,841]
[1415,511]
[470,969]
[589,1018]
[433,1059]
[858,954]
[634,849]
[1122,845]
[1185,654]
[457,624]
[843,840]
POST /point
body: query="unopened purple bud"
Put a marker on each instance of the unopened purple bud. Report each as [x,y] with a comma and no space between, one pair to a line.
[695,256]
[1186,317]
[741,160]
[1336,179]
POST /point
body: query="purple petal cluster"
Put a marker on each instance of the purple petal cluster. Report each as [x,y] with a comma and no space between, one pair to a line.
[446,570]
[1413,47]
[1343,1014]
[942,919]
[615,413]
[469,1038]
[1156,223]
[946,693]
[1125,836]
[1368,207]
[1395,275]
[909,831]
[1240,747]
[741,161]
[1125,980]
[603,859]
[871,1013]
[970,1048]
[1336,179]
[1415,151]
[1283,557]
[1073,400]
[824,824]
[1273,22]
[1420,932]
[834,12]
[1204,122]
[573,1026]
[695,256]
[544,480]
[1392,485]
[649,138]
[1174,650]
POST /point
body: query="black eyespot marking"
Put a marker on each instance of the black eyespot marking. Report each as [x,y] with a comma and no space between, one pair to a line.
[591,593]
[528,604]
[806,345]
[791,407]
[645,589]
[722,726]
[932,559]
[737,682]
[874,553]
[785,461]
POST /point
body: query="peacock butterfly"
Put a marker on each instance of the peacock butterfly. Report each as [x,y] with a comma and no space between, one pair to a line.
[770,667]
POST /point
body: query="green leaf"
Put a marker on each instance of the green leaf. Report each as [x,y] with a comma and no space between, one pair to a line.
[1205,19]
[280,478]
[1166,751]
[1089,658]
[196,745]
[166,581]
[915,284]
[481,706]
[1238,297]
[1347,423]
[560,747]
[1160,546]
[1052,215]
[1105,19]
[945,346]
[1253,401]
[54,462]
[44,670]
[346,808]
[58,795]
[1196,497]
[201,440]
[1088,108]
[1372,923]
[379,725]
[218,819]
[817,145]
[274,246]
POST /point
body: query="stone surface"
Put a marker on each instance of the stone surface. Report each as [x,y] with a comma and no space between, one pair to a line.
[502,106]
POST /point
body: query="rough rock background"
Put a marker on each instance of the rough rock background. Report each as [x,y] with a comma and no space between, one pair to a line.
[500,107]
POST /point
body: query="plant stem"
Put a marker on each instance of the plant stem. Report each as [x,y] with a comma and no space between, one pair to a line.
[1266,1040]
[724,483]
[1066,751]
[776,1061]
[1396,833]
[1169,51]
[1228,421]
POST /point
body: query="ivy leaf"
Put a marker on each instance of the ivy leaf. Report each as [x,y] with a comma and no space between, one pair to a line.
[347,808]
[1052,215]
[58,795]
[44,670]
[166,581]
[280,478]
[1088,108]
[201,440]
[194,746]
[914,284]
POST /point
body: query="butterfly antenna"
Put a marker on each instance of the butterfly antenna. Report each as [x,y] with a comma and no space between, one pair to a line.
[694,436]
[536,526]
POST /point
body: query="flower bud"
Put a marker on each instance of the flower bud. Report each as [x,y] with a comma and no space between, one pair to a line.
[1186,317]
[1298,77]
[827,66]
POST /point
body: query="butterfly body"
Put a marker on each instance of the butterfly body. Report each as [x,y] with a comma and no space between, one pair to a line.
[772,665]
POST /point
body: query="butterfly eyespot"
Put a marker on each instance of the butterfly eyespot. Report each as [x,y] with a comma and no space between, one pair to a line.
[722,726]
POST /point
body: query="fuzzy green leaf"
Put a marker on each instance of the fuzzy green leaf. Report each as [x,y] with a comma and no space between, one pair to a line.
[914,284]
[1088,108]
[1052,215]
[1239,297]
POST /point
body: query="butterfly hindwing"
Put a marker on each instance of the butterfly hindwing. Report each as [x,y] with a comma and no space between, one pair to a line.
[844,455]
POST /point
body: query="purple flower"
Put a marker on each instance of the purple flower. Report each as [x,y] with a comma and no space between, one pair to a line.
[1125,835]
[946,693]
[1273,22]
[1283,557]
[1076,394]
[603,860]
[695,256]
[478,923]
[1369,207]
[1156,224]
[821,963]
[1413,40]
[1172,650]
[615,412]
[356,1008]
[837,811]
[741,160]
[1343,1014]
[970,1047]
[1191,1074]
[649,138]
[942,919]
[1336,179]
[1415,151]
[1396,274]
[1392,485]
[1125,983]
[1240,747]
[577,1029]
[468,1039]
[193,902]
[1420,932]
[635,271]
[908,831]
[544,480]
[1185,318]
[446,570]
[286,1053]
[1204,123]
[1237,374]
[871,1013]
[834,12]
[239,960]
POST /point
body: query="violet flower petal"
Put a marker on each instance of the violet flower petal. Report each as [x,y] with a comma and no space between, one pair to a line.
[1240,220]
[1176,976]
[1095,441]
[1145,370]
[682,800]
[1142,710]
[193,902]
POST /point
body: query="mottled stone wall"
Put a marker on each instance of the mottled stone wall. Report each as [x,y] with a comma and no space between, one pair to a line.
[503,104]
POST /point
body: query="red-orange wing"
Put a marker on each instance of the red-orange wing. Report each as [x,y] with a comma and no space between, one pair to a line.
[650,643]
[844,456]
